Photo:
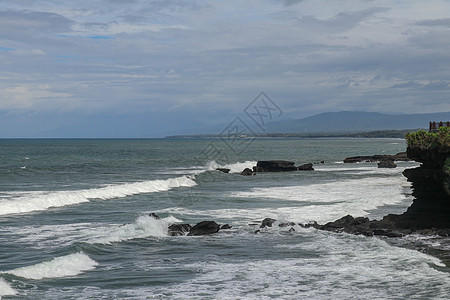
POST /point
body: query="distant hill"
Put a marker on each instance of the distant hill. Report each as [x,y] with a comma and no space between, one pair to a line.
[351,121]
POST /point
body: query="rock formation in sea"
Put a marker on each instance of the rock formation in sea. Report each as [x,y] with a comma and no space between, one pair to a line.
[274,166]
[401,156]
[264,166]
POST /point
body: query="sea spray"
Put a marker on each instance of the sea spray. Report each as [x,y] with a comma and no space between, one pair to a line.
[143,227]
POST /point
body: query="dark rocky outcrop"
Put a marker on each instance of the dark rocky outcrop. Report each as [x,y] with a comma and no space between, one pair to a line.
[225,226]
[204,228]
[401,156]
[387,163]
[223,170]
[431,206]
[267,222]
[247,172]
[275,166]
[179,229]
[306,167]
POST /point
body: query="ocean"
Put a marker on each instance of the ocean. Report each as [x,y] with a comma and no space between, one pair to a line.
[74,222]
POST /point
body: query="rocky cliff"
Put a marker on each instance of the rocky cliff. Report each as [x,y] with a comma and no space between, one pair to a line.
[430,182]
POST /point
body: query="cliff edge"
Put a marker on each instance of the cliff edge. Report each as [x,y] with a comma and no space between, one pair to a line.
[430,182]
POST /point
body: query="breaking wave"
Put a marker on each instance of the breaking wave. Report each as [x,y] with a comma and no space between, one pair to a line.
[25,202]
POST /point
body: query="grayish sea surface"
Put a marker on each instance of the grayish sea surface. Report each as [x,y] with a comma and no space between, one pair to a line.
[74,222]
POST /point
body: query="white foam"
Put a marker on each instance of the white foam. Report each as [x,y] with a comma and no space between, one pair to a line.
[234,167]
[25,202]
[340,267]
[6,289]
[320,202]
[47,236]
[143,227]
[69,265]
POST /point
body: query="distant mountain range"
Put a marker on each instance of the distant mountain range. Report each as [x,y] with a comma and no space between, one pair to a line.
[351,121]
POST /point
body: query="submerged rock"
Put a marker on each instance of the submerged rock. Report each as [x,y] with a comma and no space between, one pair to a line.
[204,228]
[224,170]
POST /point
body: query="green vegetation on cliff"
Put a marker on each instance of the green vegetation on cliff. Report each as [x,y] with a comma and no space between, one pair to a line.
[429,140]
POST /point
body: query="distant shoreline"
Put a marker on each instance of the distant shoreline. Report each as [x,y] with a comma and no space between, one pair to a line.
[366,134]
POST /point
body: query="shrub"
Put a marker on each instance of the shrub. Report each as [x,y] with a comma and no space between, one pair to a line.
[429,140]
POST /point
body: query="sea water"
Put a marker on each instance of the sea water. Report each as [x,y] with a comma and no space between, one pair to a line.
[74,222]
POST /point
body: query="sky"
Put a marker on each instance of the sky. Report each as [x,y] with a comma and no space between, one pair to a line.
[105,68]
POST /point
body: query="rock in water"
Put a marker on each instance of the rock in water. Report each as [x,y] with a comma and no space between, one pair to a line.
[154,216]
[226,226]
[204,228]
[179,229]
[306,167]
[401,156]
[275,166]
[267,222]
[387,164]
[247,172]
[224,170]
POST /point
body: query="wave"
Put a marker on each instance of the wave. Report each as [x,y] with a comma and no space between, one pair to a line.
[143,227]
[6,289]
[55,236]
[24,202]
[69,265]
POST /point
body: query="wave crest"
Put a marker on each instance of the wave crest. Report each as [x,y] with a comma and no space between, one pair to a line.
[69,265]
[42,200]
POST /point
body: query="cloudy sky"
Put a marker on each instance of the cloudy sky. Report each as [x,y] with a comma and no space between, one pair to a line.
[151,68]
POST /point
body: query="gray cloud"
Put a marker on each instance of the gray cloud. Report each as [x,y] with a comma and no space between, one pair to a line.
[340,22]
[434,23]
[206,60]
[291,2]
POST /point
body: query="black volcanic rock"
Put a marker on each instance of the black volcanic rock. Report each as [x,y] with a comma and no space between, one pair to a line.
[179,229]
[275,166]
[204,228]
[431,206]
[154,216]
[306,167]
[401,156]
[387,163]
[223,170]
[267,222]
[247,172]
[225,226]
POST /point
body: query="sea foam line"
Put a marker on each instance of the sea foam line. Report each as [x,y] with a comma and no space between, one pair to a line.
[64,266]
[42,200]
